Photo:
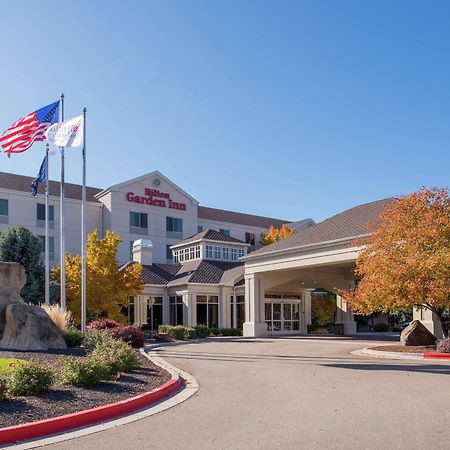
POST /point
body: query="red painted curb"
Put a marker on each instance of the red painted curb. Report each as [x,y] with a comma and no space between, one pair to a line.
[436,356]
[79,419]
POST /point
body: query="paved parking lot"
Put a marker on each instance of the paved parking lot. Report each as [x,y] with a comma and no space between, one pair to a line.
[293,393]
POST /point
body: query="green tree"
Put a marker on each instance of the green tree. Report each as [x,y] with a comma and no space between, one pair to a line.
[19,244]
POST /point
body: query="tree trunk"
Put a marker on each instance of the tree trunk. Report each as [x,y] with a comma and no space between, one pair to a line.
[444,324]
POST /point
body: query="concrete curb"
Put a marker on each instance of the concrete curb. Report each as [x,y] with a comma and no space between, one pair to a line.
[399,355]
[166,401]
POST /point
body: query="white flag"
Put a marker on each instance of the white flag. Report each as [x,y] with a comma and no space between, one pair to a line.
[66,134]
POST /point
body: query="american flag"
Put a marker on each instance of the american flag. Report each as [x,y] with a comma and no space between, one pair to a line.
[21,135]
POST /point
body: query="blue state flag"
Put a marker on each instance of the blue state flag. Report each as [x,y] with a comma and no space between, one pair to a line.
[41,178]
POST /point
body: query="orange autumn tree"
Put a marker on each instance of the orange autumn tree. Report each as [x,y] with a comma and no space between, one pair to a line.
[406,261]
[107,285]
[274,234]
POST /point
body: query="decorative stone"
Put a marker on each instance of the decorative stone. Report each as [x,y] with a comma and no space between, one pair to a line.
[417,334]
[22,326]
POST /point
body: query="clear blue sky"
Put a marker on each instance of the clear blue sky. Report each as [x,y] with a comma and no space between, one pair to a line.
[289,109]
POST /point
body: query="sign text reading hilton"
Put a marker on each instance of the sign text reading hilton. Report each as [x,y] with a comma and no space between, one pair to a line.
[153,197]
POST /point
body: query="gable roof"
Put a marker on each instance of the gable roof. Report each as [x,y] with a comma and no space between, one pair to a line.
[204,272]
[351,223]
[143,177]
[208,235]
[221,215]
[23,183]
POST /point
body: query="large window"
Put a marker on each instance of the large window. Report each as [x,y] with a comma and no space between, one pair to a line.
[225,253]
[250,239]
[51,246]
[241,252]
[208,310]
[237,311]
[234,254]
[40,212]
[154,312]
[176,310]
[3,210]
[169,255]
[209,251]
[217,252]
[131,310]
[138,220]
[174,225]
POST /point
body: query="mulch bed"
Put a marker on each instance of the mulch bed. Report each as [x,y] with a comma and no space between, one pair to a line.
[65,399]
[405,349]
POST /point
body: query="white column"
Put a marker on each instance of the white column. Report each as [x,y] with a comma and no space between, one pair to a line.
[254,325]
[307,309]
[344,316]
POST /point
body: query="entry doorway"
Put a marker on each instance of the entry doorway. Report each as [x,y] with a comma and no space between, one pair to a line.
[154,312]
[284,316]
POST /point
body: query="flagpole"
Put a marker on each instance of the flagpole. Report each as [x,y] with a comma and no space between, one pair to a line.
[83,231]
[47,247]
[62,244]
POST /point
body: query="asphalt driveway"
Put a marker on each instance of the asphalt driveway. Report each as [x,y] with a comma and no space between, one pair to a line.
[298,393]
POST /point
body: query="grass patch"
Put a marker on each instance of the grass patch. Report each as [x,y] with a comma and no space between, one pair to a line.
[5,362]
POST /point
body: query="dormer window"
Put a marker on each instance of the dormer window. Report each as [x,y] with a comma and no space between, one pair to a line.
[225,253]
[234,254]
[216,252]
[209,251]
[241,252]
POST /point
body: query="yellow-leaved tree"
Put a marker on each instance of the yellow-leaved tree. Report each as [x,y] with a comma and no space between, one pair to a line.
[405,262]
[274,234]
[107,285]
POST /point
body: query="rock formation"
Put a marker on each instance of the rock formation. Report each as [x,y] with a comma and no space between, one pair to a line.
[23,326]
[417,334]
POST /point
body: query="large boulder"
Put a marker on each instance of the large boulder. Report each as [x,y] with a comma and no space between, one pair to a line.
[417,334]
[22,326]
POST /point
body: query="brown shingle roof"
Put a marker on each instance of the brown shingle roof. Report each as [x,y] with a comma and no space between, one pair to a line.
[220,215]
[23,183]
[211,235]
[351,223]
[205,272]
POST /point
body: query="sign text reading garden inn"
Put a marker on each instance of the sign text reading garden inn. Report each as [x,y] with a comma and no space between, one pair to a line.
[153,197]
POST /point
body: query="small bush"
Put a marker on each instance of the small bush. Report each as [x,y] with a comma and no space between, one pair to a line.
[319,326]
[28,378]
[118,356]
[321,330]
[73,337]
[130,334]
[96,337]
[230,332]
[380,327]
[443,345]
[213,331]
[178,332]
[86,372]
[3,388]
[61,317]
[202,331]
[396,329]
[189,333]
[104,324]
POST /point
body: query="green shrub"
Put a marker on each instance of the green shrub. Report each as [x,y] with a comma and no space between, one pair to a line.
[318,326]
[178,332]
[3,388]
[117,355]
[214,332]
[73,337]
[95,337]
[202,331]
[28,378]
[396,329]
[380,327]
[85,371]
[230,332]
[321,330]
[190,333]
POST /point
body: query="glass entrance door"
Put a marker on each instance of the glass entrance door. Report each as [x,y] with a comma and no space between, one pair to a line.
[283,317]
